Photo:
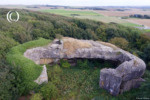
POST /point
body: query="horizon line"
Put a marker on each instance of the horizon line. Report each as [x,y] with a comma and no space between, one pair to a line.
[72,6]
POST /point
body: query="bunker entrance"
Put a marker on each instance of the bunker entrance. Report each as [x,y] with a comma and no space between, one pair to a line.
[82,63]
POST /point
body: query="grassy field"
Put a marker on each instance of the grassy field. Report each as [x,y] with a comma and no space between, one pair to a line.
[89,15]
[69,12]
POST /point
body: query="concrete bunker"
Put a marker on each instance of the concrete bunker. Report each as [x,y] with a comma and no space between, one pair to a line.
[125,76]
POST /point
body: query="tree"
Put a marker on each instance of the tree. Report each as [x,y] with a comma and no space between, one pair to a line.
[5,44]
[101,33]
[8,89]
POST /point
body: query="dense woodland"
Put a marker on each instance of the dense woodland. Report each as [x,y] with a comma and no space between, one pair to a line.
[34,25]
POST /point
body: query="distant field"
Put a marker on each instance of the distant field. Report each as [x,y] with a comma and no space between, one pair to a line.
[70,12]
[131,24]
[147,31]
[113,12]
[89,15]
[145,22]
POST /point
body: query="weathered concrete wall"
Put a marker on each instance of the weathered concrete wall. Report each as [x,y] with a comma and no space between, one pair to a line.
[43,78]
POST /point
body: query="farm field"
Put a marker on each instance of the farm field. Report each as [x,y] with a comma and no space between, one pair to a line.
[128,12]
[84,14]
[145,22]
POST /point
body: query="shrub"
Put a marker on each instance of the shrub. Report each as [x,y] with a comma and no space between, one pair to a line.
[120,42]
[6,78]
[36,96]
[49,91]
[64,63]
[59,36]
[5,44]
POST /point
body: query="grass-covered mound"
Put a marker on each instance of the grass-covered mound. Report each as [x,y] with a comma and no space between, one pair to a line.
[29,70]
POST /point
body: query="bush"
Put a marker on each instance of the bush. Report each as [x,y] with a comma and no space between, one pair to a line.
[64,63]
[5,44]
[6,78]
[120,42]
[36,96]
[49,91]
[59,36]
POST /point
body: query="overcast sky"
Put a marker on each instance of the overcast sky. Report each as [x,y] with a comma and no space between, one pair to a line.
[80,2]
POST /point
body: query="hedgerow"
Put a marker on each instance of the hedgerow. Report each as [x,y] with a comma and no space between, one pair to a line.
[29,70]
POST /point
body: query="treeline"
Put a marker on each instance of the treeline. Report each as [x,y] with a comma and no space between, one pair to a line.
[33,25]
[140,16]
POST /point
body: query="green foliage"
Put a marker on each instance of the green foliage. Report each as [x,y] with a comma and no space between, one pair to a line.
[36,96]
[82,63]
[6,78]
[146,55]
[54,74]
[79,84]
[64,63]
[95,63]
[30,70]
[12,84]
[5,44]
[49,91]
[101,33]
[120,42]
[145,88]
[58,36]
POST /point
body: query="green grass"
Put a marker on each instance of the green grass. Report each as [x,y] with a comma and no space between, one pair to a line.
[131,25]
[83,84]
[30,70]
[69,12]
[78,83]
[147,31]
[90,15]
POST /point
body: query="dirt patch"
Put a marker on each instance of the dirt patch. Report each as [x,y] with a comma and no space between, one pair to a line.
[108,44]
[25,97]
[71,45]
[46,61]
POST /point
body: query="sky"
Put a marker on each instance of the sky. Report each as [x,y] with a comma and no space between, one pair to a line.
[78,2]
